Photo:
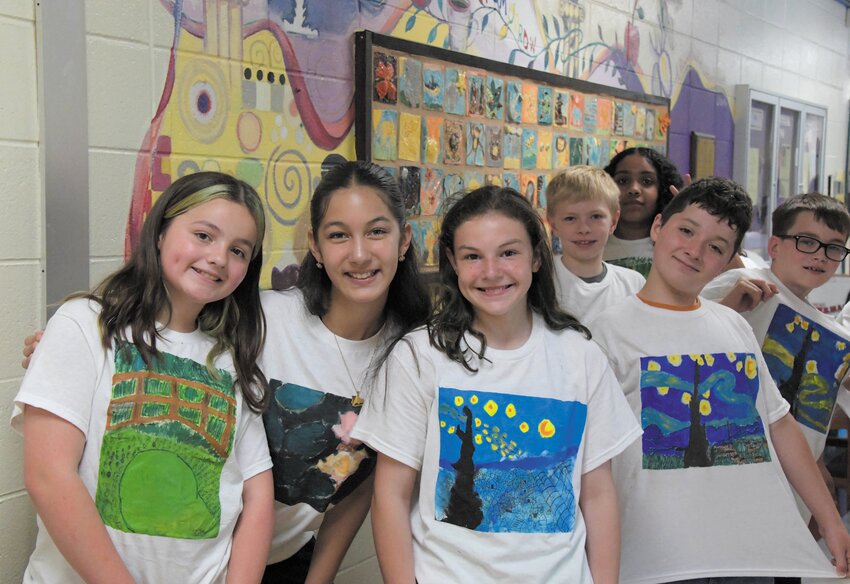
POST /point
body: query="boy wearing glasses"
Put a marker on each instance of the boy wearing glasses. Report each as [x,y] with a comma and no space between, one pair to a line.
[806,351]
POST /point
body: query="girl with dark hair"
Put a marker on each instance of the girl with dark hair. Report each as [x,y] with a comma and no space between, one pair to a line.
[647,181]
[501,415]
[139,412]
[358,291]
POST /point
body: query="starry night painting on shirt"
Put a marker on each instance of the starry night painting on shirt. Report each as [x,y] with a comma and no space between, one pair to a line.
[507,461]
[807,362]
[700,411]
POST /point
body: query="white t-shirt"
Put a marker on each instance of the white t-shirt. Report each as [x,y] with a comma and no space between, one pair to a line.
[843,317]
[311,411]
[500,453]
[798,342]
[708,499]
[635,254]
[585,300]
[167,448]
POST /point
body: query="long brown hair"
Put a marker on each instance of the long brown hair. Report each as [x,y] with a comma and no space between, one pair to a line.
[453,313]
[133,296]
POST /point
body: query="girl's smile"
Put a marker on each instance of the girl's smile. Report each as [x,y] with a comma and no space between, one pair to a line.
[359,244]
[494,262]
[205,253]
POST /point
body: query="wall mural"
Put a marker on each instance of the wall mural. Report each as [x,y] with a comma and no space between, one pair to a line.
[263,89]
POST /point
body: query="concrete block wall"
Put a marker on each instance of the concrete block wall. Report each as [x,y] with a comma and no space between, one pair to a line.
[21,278]
[798,48]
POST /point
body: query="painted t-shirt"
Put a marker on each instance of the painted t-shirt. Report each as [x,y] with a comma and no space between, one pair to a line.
[586,300]
[843,317]
[702,494]
[806,351]
[500,453]
[312,376]
[635,254]
[168,447]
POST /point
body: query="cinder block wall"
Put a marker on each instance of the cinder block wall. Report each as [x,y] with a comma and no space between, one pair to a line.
[21,279]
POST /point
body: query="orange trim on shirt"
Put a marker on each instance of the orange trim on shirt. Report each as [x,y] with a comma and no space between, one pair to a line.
[693,306]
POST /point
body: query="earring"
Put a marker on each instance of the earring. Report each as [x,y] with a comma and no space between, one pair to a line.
[320,265]
[401,258]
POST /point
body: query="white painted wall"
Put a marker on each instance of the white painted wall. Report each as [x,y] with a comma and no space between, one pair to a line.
[799,48]
[21,279]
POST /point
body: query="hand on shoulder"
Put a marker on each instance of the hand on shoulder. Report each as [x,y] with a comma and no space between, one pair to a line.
[30,343]
[748,293]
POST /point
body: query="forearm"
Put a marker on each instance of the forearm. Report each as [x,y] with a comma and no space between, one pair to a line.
[338,529]
[52,450]
[802,471]
[598,503]
[253,533]
[391,521]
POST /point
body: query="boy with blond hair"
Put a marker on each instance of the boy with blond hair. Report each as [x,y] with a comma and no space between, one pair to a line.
[583,206]
[704,494]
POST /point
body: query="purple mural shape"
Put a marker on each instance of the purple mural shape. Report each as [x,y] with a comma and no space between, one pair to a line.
[697,109]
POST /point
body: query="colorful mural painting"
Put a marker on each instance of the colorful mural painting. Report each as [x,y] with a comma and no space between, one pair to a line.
[263,89]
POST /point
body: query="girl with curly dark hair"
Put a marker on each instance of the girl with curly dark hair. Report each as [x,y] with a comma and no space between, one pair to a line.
[647,181]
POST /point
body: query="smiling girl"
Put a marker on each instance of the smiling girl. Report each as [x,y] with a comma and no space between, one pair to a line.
[143,450]
[358,289]
[498,420]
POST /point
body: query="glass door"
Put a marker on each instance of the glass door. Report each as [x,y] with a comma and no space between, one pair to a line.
[759,183]
[779,153]
[813,152]
[787,153]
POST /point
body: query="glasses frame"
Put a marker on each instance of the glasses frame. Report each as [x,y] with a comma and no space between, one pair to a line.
[821,245]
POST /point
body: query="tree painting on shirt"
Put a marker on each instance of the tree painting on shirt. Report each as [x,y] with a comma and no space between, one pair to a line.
[700,410]
[506,461]
[807,362]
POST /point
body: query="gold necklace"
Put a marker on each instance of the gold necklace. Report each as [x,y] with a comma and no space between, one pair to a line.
[357,399]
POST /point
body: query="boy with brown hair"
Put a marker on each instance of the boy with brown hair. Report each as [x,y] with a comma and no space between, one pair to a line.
[704,493]
[806,351]
[582,209]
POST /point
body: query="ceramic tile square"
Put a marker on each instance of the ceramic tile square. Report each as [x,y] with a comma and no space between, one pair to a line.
[11,443]
[17,535]
[728,67]
[110,192]
[119,93]
[19,97]
[18,9]
[21,222]
[705,23]
[772,78]
[751,72]
[20,312]
[112,19]
[775,12]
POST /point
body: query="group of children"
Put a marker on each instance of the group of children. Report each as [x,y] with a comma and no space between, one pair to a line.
[495,440]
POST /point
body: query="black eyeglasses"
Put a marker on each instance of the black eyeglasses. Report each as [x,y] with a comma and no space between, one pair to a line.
[807,244]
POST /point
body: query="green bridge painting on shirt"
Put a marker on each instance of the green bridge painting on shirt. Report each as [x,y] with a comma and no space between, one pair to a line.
[169,431]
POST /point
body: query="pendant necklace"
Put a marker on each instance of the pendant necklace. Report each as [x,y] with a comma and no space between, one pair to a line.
[357,399]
